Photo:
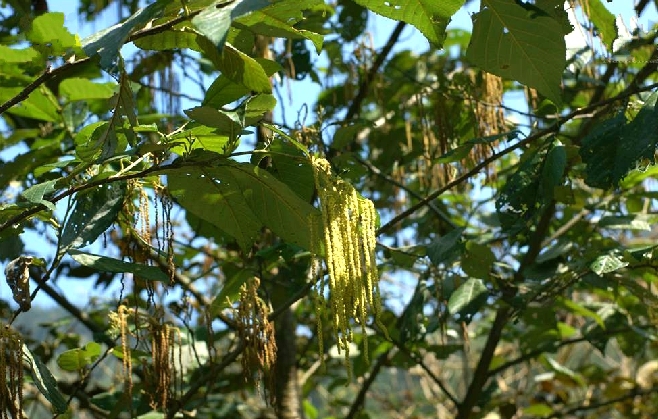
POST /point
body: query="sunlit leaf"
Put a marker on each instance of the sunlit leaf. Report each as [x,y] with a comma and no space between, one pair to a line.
[215,21]
[45,381]
[108,42]
[428,16]
[468,298]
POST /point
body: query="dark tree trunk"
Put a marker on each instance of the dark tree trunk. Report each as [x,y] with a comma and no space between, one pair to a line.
[286,384]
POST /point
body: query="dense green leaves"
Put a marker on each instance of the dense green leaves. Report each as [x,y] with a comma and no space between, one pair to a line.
[616,146]
[517,215]
[429,17]
[522,44]
[215,21]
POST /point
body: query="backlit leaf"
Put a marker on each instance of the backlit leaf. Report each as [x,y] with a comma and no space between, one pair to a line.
[106,264]
[428,16]
[520,44]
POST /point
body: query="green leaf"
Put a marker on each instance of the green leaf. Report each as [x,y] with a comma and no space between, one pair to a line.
[171,39]
[45,381]
[520,44]
[86,140]
[201,136]
[290,166]
[105,264]
[224,122]
[215,20]
[278,20]
[519,200]
[614,148]
[79,358]
[13,55]
[94,213]
[277,206]
[240,198]
[553,171]
[216,198]
[603,20]
[78,88]
[107,43]
[36,193]
[468,298]
[628,222]
[49,33]
[477,260]
[607,263]
[223,91]
[152,415]
[238,67]
[41,104]
[445,248]
[428,16]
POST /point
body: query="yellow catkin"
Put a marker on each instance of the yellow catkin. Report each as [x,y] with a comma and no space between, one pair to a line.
[257,333]
[11,368]
[123,314]
[349,227]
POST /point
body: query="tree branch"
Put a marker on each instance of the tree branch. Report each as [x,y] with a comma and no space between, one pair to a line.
[528,140]
[49,74]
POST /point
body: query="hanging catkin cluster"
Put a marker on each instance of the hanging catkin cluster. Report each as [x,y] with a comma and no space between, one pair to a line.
[349,231]
[256,331]
[11,371]
[160,375]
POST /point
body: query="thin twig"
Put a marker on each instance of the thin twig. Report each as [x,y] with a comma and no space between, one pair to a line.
[49,74]
[528,140]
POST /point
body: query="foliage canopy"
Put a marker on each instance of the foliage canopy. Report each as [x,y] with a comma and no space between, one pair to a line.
[464,230]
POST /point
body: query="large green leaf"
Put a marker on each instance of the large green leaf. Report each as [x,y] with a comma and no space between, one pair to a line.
[468,298]
[105,264]
[237,66]
[603,20]
[171,39]
[522,44]
[108,42]
[15,55]
[45,381]
[429,16]
[477,260]
[553,170]
[519,200]
[445,248]
[240,199]
[277,206]
[279,18]
[40,104]
[78,88]
[50,36]
[215,197]
[94,213]
[215,21]
[614,148]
